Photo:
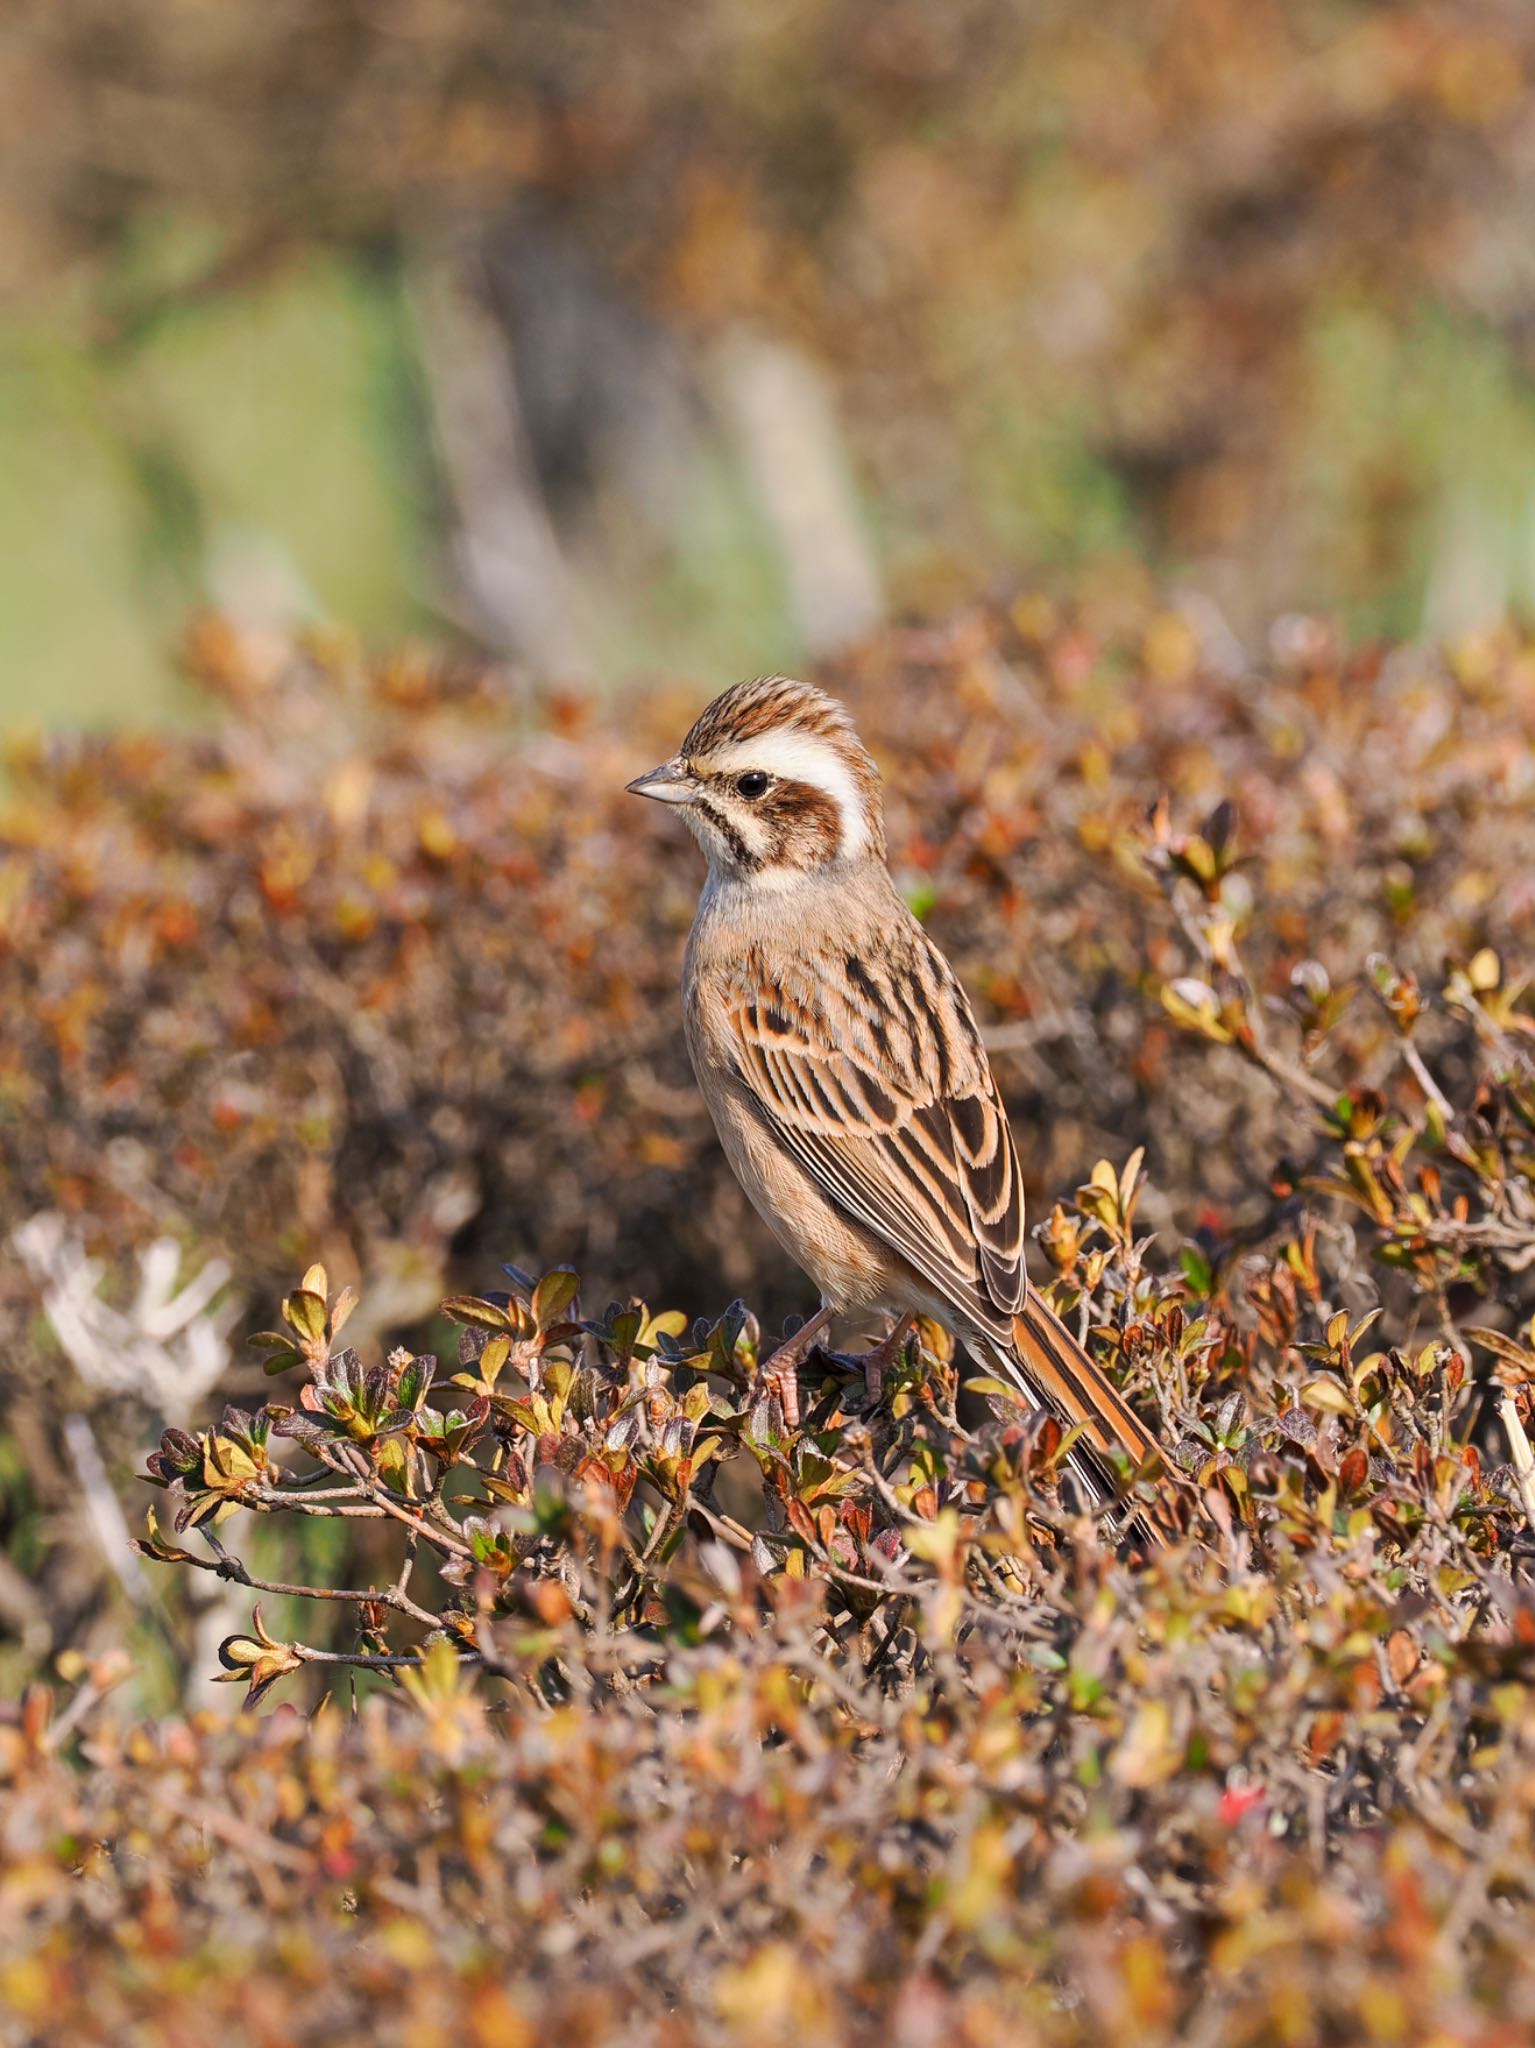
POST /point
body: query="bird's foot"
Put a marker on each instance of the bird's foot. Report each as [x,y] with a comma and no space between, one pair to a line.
[781,1371]
[877,1363]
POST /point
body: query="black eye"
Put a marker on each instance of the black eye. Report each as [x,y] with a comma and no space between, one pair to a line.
[752,784]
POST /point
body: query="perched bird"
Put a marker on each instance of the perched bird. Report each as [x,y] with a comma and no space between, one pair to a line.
[842,1065]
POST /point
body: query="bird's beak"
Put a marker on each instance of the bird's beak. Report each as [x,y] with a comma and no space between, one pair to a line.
[668,784]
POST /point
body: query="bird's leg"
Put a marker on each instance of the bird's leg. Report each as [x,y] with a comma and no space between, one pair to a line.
[877,1363]
[781,1371]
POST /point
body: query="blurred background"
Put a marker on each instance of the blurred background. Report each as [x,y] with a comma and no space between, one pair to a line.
[619,339]
[411,409]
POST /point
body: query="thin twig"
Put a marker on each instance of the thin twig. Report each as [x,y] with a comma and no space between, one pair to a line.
[227,1566]
[365,1660]
[383,1498]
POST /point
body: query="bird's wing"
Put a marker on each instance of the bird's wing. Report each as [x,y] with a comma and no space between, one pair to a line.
[878,1084]
[876,1081]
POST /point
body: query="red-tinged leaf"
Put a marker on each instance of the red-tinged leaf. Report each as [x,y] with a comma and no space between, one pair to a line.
[1402,1655]
[1366,1687]
[1353,1471]
[1324,1735]
[1237,1801]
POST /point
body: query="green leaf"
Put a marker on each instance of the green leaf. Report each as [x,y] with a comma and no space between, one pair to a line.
[415,1379]
[1196,1270]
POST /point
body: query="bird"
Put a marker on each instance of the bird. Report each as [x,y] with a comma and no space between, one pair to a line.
[843,1068]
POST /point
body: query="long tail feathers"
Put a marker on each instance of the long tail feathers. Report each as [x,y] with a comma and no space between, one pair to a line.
[1052,1367]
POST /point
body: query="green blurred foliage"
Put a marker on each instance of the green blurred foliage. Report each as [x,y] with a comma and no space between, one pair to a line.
[1236,288]
[265,437]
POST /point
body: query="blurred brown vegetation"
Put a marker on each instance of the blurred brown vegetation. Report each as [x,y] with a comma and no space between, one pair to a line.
[381,966]
[704,1724]
[1235,288]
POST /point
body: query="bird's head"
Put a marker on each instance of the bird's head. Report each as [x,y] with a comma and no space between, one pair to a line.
[774,783]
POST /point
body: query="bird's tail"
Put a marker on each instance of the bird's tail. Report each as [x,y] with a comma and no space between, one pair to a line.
[1049,1365]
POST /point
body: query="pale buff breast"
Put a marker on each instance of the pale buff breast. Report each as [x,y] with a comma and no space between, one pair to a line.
[850,1266]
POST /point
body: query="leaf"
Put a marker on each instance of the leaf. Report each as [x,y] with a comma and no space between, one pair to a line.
[341,1309]
[1505,1347]
[491,1361]
[1192,1004]
[1004,1389]
[470,1308]
[416,1379]
[225,1464]
[554,1294]
[154,1545]
[304,1311]
[314,1282]
[1129,1176]
[1148,1754]
[1196,1270]
[256,1660]
[1402,1655]
[304,1429]
[1353,1471]
[1484,971]
[1327,1396]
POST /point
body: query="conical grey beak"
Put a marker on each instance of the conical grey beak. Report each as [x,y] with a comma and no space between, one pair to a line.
[668,784]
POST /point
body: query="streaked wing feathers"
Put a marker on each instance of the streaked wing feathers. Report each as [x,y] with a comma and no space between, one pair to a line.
[880,1087]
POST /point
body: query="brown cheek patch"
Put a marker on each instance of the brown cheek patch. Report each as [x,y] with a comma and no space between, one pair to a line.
[805,822]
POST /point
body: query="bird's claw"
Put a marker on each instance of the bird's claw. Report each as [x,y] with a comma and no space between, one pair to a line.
[781,1371]
[877,1363]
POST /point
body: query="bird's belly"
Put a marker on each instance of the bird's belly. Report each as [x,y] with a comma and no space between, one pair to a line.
[848,1264]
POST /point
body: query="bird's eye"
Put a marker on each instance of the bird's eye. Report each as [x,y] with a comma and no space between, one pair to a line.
[752,784]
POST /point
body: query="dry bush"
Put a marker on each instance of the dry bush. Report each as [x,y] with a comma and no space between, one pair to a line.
[698,1724]
[891,1746]
[379,967]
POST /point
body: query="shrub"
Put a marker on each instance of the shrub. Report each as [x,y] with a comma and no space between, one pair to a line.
[381,967]
[715,1725]
[378,968]
[649,1707]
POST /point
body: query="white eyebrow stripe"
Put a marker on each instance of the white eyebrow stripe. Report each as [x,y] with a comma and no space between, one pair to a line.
[802,757]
